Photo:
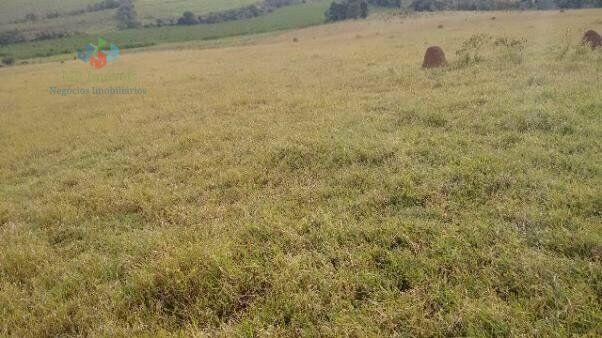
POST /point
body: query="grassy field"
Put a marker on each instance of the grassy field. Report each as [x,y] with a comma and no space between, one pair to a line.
[91,23]
[17,9]
[99,22]
[147,9]
[283,18]
[175,8]
[322,187]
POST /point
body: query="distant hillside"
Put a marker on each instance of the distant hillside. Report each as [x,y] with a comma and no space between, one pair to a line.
[484,5]
[11,10]
[40,28]
[89,16]
[52,21]
[151,9]
[301,15]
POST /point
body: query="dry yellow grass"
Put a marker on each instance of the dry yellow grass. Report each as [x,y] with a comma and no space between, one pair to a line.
[326,186]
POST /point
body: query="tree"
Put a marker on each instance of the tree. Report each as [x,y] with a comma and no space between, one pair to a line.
[353,10]
[336,12]
[545,4]
[126,15]
[569,3]
[188,18]
[428,5]
[364,9]
[349,9]
[385,3]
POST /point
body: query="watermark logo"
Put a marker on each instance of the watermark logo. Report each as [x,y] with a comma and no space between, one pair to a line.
[97,56]
[80,83]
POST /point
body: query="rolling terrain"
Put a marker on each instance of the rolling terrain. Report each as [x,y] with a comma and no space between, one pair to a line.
[290,17]
[148,9]
[311,182]
[17,9]
[77,21]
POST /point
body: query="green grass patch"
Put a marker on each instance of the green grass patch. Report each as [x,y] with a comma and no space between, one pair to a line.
[149,9]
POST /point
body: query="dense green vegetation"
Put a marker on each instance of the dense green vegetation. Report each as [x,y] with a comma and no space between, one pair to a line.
[348,9]
[127,15]
[149,10]
[254,10]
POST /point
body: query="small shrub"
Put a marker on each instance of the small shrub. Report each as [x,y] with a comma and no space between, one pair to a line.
[512,49]
[477,46]
[52,15]
[31,17]
[471,49]
[10,37]
[348,9]
[581,50]
[8,60]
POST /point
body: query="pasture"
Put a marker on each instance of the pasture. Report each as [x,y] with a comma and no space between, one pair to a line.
[289,17]
[149,9]
[327,186]
[12,17]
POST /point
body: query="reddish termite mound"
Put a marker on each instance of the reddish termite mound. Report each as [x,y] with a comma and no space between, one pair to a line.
[592,38]
[434,57]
